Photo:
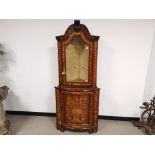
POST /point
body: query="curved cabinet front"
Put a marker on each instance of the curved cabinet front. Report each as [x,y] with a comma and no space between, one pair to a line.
[77,108]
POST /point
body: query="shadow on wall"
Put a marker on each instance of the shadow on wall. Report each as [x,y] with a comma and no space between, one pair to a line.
[149,90]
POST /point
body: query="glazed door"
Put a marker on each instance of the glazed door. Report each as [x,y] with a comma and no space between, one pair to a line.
[76,107]
[77,58]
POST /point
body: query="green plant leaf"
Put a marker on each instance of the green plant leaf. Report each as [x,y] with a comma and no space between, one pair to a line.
[2,52]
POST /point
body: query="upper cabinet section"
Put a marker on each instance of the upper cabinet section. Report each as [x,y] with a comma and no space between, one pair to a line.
[77,51]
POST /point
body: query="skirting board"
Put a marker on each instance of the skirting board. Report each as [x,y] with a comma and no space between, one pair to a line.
[54,115]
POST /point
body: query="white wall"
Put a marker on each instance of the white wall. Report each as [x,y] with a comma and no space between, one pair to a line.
[31,69]
[149,90]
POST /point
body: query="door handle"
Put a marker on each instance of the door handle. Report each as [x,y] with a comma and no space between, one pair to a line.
[64,72]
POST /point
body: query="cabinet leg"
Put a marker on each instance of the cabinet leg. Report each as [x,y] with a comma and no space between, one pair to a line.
[92,130]
[62,129]
[58,127]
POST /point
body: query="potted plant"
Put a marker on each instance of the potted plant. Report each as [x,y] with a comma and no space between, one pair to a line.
[4,123]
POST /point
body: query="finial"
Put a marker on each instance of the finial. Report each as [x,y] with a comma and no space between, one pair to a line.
[77,25]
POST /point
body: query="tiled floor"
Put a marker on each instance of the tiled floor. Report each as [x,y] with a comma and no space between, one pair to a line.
[41,125]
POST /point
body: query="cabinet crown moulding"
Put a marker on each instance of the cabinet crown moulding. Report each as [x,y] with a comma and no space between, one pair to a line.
[77,28]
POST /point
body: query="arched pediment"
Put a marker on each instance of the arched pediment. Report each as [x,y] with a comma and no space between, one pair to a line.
[77,29]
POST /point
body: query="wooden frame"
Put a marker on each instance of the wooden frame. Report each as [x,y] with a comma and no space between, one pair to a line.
[78,95]
[92,41]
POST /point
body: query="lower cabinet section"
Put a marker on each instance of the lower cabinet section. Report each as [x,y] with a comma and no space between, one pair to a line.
[77,108]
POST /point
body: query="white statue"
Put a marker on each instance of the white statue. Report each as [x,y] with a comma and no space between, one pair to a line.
[4,123]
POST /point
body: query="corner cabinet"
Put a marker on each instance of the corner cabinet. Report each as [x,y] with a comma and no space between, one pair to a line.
[77,96]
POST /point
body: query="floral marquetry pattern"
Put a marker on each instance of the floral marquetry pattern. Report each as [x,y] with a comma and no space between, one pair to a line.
[76,109]
[77,95]
[96,107]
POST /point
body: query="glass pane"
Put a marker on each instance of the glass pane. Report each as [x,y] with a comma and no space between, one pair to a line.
[77,60]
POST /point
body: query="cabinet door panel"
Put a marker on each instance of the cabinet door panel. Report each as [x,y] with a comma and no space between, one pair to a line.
[76,108]
[77,60]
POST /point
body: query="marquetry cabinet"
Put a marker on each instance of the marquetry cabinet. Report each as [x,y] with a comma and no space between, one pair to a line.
[77,96]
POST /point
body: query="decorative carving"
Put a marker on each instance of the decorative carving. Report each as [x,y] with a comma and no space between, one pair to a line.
[95,63]
[81,28]
[96,106]
[76,109]
[148,116]
[59,62]
[58,107]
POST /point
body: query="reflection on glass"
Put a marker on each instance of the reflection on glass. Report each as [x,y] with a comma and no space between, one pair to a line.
[77,55]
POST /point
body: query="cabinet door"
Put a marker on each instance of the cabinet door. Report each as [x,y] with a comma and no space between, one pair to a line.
[77,62]
[77,108]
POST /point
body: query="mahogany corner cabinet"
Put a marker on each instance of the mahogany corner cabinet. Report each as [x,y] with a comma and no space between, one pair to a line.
[77,96]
